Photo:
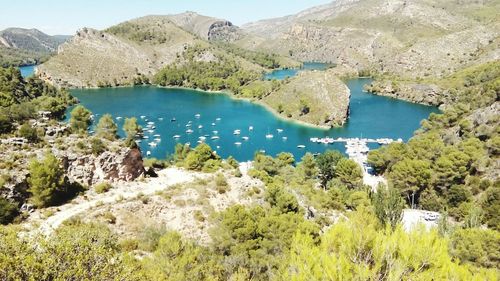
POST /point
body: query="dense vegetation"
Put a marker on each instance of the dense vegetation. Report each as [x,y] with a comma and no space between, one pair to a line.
[222,73]
[21,99]
[18,57]
[449,165]
[277,239]
[266,60]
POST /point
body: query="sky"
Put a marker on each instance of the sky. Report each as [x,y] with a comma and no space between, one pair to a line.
[67,16]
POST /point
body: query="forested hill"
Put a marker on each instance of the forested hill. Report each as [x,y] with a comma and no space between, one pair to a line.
[451,164]
[19,46]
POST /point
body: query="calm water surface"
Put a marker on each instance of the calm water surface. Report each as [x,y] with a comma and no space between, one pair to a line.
[27,70]
[371,116]
[281,74]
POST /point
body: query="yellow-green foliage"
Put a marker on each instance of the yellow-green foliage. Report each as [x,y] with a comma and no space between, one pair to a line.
[102,187]
[75,252]
[355,249]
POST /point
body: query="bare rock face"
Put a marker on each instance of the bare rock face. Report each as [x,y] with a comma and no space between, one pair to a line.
[117,163]
[124,165]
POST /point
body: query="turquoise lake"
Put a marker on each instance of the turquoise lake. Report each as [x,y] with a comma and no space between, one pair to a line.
[281,74]
[370,116]
[27,70]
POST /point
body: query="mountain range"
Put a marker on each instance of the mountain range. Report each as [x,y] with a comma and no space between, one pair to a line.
[19,46]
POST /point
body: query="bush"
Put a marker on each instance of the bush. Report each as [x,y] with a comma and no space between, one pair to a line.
[80,119]
[106,128]
[102,187]
[46,181]
[150,237]
[8,211]
[221,183]
[97,146]
[28,132]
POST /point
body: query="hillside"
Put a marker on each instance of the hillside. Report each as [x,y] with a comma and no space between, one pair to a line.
[20,46]
[409,38]
[136,50]
[207,28]
[313,97]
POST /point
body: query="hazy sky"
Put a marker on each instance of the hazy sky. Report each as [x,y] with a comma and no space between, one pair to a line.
[67,16]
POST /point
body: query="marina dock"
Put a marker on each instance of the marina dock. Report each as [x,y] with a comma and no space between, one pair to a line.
[357,149]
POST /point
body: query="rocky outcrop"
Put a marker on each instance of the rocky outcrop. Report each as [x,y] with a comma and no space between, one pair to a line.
[207,28]
[124,165]
[117,163]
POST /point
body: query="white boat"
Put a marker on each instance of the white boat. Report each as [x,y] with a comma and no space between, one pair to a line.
[197,115]
[202,138]
[250,128]
[189,131]
[279,130]
[188,125]
[237,143]
[151,131]
[145,137]
[156,136]
[177,137]
[143,116]
[200,126]
[236,132]
[214,138]
[151,123]
[118,118]
[148,153]
[217,119]
[213,124]
[245,138]
[269,136]
[215,132]
[218,147]
[153,144]
[160,118]
[301,146]
[284,138]
[157,139]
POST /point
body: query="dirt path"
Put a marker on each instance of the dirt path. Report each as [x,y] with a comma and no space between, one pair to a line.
[123,191]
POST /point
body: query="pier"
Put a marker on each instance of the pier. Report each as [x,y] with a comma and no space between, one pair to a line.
[357,149]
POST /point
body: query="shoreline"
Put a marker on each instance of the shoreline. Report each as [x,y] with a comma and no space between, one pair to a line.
[229,95]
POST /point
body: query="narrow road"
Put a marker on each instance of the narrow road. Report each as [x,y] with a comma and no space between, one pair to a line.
[123,191]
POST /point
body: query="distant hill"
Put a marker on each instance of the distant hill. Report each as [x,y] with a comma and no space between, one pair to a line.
[20,46]
[139,48]
[417,38]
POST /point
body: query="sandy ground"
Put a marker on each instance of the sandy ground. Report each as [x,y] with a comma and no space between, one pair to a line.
[121,191]
[412,217]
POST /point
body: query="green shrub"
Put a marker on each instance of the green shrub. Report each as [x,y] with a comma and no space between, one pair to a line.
[97,146]
[28,132]
[8,211]
[102,187]
[221,183]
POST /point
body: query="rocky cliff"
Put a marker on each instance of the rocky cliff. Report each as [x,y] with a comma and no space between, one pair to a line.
[207,28]
[406,38]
